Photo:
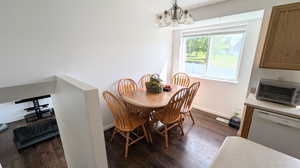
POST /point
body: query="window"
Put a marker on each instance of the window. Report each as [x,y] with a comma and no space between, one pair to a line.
[213,56]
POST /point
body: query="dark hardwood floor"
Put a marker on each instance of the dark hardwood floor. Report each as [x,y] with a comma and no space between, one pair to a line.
[48,154]
[196,149]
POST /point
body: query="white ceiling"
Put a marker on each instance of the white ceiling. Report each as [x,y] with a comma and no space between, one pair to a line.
[161,5]
[196,3]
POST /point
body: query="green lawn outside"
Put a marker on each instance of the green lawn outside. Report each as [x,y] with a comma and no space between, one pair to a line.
[196,57]
[224,61]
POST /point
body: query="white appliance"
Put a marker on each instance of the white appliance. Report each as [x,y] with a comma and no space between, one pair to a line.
[279,132]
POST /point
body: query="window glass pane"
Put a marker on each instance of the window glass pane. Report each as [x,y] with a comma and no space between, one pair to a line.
[224,55]
[196,52]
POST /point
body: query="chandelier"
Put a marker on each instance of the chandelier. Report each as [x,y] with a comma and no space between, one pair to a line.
[174,16]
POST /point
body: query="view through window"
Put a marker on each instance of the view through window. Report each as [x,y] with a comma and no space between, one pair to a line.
[213,56]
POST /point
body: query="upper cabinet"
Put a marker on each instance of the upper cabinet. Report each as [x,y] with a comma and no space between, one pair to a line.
[282,45]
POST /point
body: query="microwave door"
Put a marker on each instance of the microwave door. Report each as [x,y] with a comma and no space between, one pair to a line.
[276,94]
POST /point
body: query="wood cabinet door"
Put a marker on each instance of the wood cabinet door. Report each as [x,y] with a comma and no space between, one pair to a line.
[282,45]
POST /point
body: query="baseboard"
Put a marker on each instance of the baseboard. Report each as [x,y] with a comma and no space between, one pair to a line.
[211,117]
[108,126]
[214,113]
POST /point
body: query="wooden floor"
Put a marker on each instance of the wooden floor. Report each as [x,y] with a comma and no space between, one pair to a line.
[196,149]
[48,154]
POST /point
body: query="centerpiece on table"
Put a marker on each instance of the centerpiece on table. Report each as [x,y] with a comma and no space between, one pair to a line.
[154,85]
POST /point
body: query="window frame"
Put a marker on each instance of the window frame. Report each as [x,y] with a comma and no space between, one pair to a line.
[233,29]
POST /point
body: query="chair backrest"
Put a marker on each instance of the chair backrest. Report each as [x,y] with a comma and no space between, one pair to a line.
[118,109]
[181,79]
[172,111]
[144,79]
[126,86]
[193,89]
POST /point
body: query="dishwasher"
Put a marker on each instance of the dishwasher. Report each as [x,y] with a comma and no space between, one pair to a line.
[278,132]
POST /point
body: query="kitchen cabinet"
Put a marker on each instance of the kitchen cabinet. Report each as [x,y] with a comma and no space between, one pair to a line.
[252,104]
[271,124]
[281,49]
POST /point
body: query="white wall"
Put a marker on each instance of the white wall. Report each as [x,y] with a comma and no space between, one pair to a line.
[94,41]
[224,98]
[10,112]
[78,117]
[80,123]
[240,6]
[233,102]
[232,7]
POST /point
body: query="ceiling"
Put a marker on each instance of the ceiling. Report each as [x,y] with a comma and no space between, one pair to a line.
[196,3]
[161,5]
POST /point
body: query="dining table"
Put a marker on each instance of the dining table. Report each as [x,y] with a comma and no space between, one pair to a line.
[141,98]
[150,102]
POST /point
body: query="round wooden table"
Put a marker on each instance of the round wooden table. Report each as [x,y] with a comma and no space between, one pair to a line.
[142,98]
[149,101]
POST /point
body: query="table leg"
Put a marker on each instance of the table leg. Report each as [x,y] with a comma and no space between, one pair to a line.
[149,134]
[148,124]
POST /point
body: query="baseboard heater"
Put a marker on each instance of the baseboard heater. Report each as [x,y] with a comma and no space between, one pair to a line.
[223,120]
[35,133]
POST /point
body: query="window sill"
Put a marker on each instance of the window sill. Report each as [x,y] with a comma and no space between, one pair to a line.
[214,79]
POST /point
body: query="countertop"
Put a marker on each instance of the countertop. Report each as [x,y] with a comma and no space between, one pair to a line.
[273,107]
[237,152]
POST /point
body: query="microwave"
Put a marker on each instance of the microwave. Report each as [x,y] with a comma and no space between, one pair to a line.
[283,92]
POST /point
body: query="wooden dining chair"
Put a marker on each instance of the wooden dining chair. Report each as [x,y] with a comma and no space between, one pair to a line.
[181,79]
[124,121]
[126,86]
[186,109]
[146,78]
[170,115]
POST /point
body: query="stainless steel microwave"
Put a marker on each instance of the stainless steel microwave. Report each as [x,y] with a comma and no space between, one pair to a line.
[282,92]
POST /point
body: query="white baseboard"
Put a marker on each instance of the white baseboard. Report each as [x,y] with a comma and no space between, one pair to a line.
[108,126]
[197,107]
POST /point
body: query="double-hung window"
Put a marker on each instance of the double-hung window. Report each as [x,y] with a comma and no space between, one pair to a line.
[214,54]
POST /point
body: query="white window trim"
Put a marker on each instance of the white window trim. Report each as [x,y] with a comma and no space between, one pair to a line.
[239,28]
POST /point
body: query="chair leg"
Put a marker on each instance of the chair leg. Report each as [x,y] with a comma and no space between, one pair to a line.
[166,137]
[181,127]
[113,135]
[127,144]
[182,117]
[150,136]
[149,133]
[190,113]
[145,133]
